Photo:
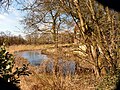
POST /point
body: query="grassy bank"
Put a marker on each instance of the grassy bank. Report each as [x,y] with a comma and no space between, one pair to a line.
[45,81]
[14,48]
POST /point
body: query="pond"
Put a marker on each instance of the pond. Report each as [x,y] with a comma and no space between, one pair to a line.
[36,58]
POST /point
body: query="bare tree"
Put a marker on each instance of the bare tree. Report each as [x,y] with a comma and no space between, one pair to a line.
[97,28]
[45,16]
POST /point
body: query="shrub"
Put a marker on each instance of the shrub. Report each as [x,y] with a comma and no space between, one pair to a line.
[6,67]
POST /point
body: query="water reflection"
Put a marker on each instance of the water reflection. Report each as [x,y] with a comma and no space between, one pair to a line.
[36,58]
[64,67]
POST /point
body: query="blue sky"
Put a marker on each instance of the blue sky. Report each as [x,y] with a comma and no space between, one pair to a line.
[9,21]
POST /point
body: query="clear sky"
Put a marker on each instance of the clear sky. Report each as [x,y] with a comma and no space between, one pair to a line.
[9,21]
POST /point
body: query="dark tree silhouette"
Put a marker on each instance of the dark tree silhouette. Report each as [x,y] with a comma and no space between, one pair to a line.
[113,4]
[7,85]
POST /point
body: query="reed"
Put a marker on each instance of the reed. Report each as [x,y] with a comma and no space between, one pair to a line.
[40,79]
[46,81]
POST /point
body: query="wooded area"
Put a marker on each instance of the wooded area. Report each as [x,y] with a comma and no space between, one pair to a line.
[98,28]
[80,23]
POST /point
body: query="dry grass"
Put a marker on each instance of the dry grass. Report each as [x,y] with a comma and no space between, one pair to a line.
[44,81]
[14,48]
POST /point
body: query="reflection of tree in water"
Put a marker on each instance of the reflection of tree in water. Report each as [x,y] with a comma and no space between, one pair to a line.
[34,57]
[63,67]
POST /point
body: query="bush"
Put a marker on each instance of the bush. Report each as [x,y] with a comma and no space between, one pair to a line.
[6,67]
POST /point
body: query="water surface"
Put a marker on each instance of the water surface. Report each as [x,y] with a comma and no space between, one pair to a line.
[36,58]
